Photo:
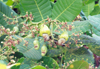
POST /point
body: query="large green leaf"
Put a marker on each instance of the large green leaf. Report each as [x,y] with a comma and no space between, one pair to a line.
[40,8]
[95,22]
[29,50]
[96,10]
[95,31]
[50,62]
[78,27]
[38,67]
[66,10]
[79,54]
[4,9]
[24,66]
[87,9]
[79,65]
[54,52]
[91,42]
[27,63]
[96,37]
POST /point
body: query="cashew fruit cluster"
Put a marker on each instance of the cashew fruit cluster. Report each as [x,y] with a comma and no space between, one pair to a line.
[37,45]
[63,38]
[44,31]
[64,35]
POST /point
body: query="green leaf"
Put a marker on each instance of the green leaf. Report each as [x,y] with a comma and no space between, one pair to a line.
[99,3]
[87,9]
[24,66]
[96,10]
[4,1]
[98,67]
[52,0]
[79,65]
[85,2]
[79,54]
[71,43]
[38,67]
[50,62]
[40,8]
[29,50]
[28,63]
[96,37]
[54,52]
[21,60]
[66,10]
[3,62]
[52,4]
[9,2]
[95,31]
[16,66]
[5,10]
[88,33]
[95,22]
[91,42]
[78,27]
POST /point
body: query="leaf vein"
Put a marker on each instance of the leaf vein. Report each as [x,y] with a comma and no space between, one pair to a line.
[39,10]
[65,9]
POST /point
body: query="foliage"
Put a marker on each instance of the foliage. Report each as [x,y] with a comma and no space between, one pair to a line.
[48,34]
[79,64]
